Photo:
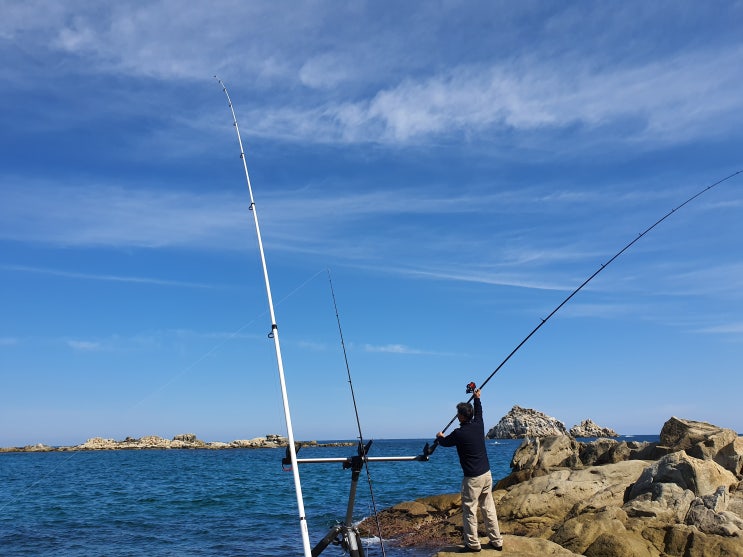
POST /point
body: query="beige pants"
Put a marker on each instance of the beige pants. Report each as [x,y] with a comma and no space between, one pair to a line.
[478,493]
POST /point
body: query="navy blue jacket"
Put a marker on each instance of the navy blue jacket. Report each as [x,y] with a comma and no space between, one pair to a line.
[469,438]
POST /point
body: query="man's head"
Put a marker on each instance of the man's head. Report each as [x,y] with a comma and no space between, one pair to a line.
[465,412]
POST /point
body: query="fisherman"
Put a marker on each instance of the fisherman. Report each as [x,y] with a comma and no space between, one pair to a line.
[477,484]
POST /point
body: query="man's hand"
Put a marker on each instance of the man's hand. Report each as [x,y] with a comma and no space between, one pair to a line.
[440,435]
[477,393]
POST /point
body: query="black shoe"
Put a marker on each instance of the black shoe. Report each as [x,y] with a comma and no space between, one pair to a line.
[468,549]
[496,547]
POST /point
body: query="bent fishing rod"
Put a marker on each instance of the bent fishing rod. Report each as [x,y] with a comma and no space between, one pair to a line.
[363,448]
[274,334]
[428,449]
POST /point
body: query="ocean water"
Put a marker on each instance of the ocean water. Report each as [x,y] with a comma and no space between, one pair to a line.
[236,502]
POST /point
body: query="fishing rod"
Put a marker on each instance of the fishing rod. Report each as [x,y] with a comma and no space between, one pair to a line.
[358,424]
[274,334]
[428,449]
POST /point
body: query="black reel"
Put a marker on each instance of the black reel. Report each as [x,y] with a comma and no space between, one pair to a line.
[471,387]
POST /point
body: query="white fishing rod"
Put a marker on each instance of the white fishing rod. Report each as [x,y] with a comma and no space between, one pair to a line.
[275,335]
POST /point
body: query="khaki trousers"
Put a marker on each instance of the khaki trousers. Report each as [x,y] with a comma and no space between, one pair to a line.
[477,493]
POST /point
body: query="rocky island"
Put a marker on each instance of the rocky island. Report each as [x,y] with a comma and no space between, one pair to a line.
[681,496]
[182,441]
[526,422]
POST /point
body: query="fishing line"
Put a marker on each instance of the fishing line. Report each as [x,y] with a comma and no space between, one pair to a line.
[356,411]
[428,449]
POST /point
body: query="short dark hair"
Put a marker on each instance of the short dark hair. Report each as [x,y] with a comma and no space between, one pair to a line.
[465,410]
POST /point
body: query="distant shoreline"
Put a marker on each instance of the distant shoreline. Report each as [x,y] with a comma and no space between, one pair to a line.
[187,441]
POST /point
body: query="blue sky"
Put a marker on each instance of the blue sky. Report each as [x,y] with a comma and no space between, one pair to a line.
[459,167]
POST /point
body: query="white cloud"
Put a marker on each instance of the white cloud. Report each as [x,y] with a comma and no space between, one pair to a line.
[675,100]
[84,345]
[356,87]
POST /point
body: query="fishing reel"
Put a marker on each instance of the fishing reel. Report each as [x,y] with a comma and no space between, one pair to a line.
[471,387]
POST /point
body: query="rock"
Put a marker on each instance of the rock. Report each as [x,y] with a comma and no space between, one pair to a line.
[38,448]
[619,545]
[702,477]
[704,441]
[525,422]
[413,508]
[709,514]
[217,445]
[665,502]
[546,453]
[601,532]
[97,444]
[730,457]
[601,451]
[681,539]
[534,507]
[587,428]
[515,546]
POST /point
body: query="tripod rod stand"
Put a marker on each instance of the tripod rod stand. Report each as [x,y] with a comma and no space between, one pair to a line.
[346,534]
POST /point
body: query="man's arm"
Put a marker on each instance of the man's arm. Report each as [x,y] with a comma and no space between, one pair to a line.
[446,440]
[478,406]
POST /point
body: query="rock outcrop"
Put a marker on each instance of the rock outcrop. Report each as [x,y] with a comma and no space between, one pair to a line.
[682,496]
[587,428]
[525,422]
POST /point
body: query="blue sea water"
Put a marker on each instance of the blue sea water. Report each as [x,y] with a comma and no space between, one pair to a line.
[188,503]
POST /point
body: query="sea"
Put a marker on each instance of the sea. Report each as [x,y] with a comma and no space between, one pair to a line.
[229,502]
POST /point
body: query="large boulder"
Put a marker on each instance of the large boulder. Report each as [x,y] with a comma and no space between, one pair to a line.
[704,441]
[702,477]
[546,453]
[525,422]
[535,506]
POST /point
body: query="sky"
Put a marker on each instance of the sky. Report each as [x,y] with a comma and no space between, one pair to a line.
[456,169]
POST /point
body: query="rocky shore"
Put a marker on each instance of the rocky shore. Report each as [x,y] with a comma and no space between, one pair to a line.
[681,496]
[182,441]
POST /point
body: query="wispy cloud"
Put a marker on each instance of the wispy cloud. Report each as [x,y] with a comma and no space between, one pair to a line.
[158,339]
[402,349]
[84,345]
[363,91]
[734,328]
[93,276]
[657,101]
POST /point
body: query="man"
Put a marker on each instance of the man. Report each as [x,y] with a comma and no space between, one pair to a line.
[477,485]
